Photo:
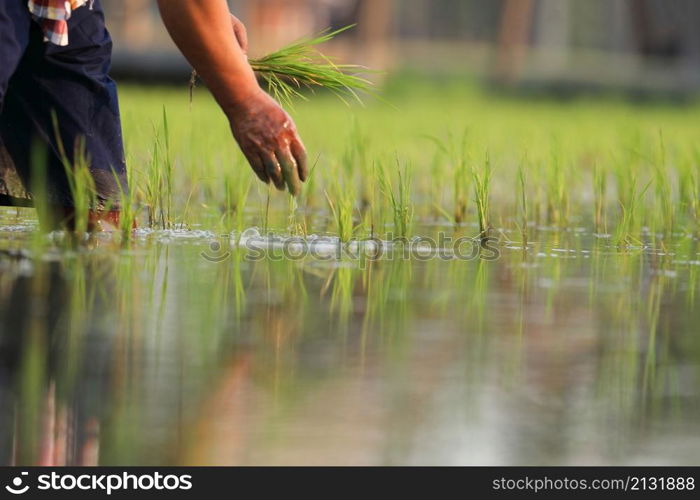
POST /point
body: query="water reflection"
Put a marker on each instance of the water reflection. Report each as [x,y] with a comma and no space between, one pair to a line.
[565,352]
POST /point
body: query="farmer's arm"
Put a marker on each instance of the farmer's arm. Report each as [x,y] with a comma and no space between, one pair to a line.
[266,134]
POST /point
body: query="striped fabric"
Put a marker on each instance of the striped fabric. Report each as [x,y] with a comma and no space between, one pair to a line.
[52,16]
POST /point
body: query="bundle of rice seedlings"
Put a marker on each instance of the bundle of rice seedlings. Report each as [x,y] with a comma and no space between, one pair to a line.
[300,65]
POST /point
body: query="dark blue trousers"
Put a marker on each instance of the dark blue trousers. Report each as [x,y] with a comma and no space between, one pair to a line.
[39,80]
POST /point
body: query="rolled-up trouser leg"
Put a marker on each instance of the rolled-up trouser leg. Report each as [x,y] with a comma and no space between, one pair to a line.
[15,23]
[59,97]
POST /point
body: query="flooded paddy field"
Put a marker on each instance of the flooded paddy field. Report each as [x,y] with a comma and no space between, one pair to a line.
[465,280]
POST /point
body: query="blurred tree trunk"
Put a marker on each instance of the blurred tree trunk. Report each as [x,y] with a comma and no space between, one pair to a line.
[513,39]
[138,25]
[375,29]
[652,37]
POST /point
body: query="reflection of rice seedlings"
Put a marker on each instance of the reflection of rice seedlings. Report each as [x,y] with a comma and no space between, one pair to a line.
[482,186]
[239,288]
[394,290]
[32,370]
[653,309]
[342,295]
[476,309]
[399,199]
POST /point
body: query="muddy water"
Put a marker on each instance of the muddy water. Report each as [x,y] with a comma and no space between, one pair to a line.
[184,349]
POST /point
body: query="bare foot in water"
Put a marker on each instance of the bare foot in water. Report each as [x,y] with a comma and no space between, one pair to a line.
[98,220]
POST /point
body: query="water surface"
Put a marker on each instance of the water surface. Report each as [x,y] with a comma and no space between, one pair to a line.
[179,349]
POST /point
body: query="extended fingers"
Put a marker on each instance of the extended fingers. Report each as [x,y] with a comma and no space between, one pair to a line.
[299,152]
[289,170]
[258,167]
[274,170]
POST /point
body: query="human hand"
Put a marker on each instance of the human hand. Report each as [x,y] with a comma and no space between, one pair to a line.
[269,140]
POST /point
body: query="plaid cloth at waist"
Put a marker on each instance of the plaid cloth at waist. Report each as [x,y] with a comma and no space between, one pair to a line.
[52,16]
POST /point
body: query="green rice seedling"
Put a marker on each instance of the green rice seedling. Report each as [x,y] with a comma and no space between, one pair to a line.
[522,206]
[80,181]
[266,213]
[298,66]
[399,199]
[168,174]
[236,190]
[153,185]
[355,149]
[664,212]
[522,202]
[341,203]
[127,206]
[82,188]
[482,186]
[557,192]
[158,185]
[182,219]
[628,227]
[538,204]
[695,196]
[297,224]
[457,156]
[356,163]
[461,181]
[437,187]
[307,199]
[689,190]
[437,170]
[600,187]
